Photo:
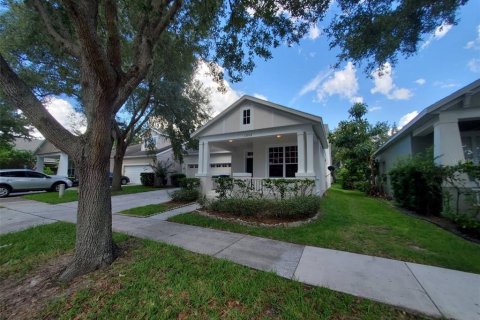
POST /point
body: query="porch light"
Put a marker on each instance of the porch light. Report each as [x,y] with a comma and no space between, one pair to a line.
[279,136]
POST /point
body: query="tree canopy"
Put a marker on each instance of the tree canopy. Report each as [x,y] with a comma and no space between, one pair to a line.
[354,141]
[101,50]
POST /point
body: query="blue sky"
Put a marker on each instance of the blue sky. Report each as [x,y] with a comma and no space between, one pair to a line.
[445,63]
[300,77]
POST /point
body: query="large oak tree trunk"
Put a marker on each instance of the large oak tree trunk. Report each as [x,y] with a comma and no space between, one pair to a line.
[94,247]
[117,165]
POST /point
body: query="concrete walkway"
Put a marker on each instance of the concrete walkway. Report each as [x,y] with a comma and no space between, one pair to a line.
[429,290]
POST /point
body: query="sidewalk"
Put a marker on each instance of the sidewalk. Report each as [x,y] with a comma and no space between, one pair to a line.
[429,290]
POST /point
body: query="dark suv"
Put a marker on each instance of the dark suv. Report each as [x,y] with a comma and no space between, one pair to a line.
[123,180]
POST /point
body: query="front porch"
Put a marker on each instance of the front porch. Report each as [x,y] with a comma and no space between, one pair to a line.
[58,162]
[294,152]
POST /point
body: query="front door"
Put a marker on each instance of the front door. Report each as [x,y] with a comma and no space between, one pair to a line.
[249,163]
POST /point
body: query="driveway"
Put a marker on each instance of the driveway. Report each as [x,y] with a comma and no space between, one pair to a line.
[17,213]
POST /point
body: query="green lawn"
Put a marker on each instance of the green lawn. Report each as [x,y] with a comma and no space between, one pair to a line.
[158,281]
[350,221]
[72,195]
[148,210]
[22,251]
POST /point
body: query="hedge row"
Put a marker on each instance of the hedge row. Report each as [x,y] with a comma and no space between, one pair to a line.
[298,207]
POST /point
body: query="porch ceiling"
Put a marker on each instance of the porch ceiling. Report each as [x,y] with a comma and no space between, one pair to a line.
[230,144]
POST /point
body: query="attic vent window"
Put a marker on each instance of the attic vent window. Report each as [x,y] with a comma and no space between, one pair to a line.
[246,116]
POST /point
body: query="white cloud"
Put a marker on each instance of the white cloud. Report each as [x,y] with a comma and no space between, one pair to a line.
[373,109]
[65,114]
[438,34]
[314,32]
[442,30]
[474,44]
[343,83]
[383,81]
[315,82]
[474,65]
[406,119]
[420,81]
[357,99]
[219,101]
[260,96]
[445,84]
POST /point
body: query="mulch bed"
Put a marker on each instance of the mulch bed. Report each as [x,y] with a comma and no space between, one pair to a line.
[258,220]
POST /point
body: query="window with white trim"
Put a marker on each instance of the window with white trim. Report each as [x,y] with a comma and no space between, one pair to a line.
[471,147]
[246,116]
[470,136]
[282,162]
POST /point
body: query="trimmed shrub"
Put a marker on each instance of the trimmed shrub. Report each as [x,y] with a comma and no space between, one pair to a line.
[175,178]
[147,178]
[227,187]
[189,183]
[417,184]
[295,207]
[185,195]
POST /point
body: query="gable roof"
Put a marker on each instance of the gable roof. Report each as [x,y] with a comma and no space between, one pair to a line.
[441,105]
[244,98]
[28,144]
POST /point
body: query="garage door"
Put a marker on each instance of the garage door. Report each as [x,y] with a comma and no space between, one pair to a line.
[133,172]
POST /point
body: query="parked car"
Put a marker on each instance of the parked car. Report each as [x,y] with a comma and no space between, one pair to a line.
[123,180]
[18,180]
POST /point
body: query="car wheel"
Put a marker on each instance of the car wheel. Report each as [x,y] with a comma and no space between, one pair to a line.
[4,191]
[56,187]
[123,181]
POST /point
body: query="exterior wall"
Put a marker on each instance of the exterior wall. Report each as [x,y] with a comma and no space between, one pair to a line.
[261,118]
[388,158]
[420,144]
[162,141]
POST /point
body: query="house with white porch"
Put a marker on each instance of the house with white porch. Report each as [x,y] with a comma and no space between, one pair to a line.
[49,155]
[264,140]
[451,126]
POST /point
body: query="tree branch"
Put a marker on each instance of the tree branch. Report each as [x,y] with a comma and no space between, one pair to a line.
[165,21]
[17,93]
[147,38]
[113,41]
[84,18]
[58,36]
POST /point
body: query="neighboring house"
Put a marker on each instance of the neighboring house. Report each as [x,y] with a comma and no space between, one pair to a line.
[262,140]
[27,144]
[450,126]
[220,162]
[49,155]
[138,158]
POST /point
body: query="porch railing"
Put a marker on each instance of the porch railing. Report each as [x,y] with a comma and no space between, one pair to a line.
[258,185]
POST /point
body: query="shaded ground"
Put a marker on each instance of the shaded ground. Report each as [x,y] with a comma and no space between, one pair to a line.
[153,280]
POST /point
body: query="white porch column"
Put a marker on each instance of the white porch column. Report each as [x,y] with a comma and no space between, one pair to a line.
[206,158]
[200,158]
[63,165]
[39,164]
[310,170]
[447,144]
[301,153]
